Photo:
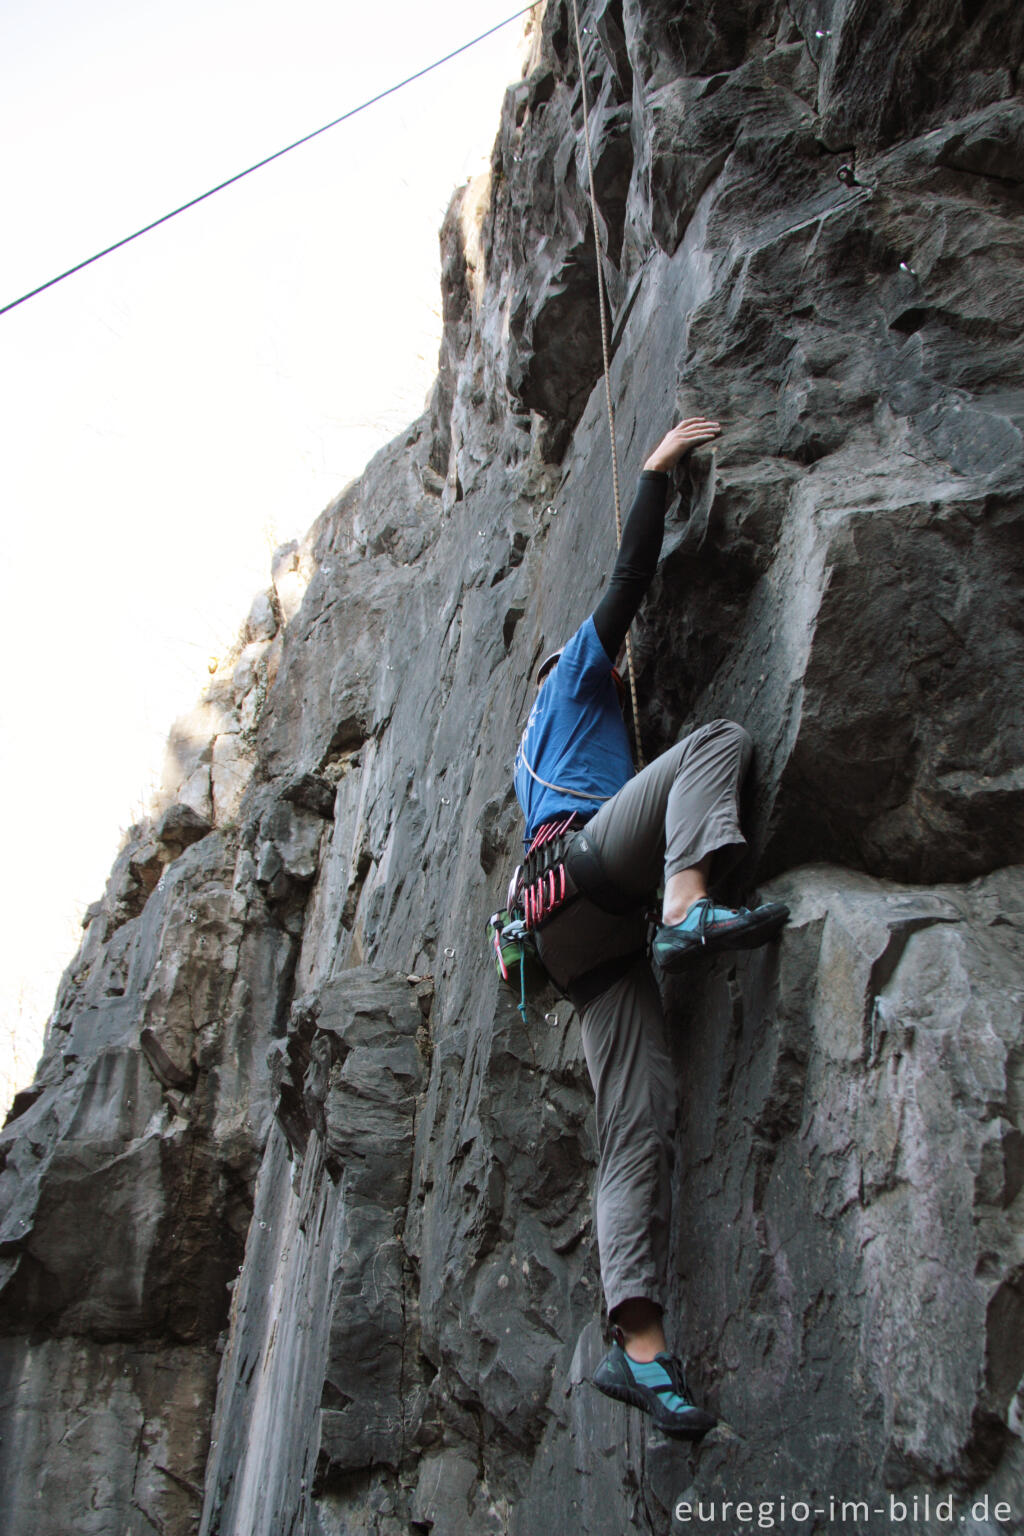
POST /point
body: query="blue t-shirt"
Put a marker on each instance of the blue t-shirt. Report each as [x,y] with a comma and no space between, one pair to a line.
[575,737]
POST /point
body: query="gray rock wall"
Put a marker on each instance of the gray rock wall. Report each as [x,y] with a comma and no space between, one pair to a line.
[294,1222]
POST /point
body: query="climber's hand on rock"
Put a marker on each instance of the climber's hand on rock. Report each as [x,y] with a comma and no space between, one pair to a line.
[677,443]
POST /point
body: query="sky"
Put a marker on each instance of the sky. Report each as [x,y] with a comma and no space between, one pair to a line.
[174,412]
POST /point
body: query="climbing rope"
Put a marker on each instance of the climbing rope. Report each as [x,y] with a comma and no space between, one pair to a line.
[602,310]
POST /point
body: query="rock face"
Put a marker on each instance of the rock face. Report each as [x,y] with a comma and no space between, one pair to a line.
[295,1230]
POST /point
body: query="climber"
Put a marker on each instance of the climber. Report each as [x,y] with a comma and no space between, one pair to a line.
[676,820]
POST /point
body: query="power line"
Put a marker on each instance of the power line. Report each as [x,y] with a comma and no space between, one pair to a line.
[269,158]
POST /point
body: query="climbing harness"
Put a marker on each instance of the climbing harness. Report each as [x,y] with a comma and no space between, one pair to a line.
[561,866]
[538,889]
[602,310]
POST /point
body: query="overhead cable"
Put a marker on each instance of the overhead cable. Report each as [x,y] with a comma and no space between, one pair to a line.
[390,91]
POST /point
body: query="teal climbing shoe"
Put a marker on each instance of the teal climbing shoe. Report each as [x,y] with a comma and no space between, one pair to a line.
[706,929]
[657,1387]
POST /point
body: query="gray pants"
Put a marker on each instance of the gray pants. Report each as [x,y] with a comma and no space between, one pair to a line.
[684,806]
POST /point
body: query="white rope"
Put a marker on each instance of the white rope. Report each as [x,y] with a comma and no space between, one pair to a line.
[559,788]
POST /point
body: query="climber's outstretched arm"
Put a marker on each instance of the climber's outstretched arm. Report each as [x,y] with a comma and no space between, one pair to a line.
[642,535]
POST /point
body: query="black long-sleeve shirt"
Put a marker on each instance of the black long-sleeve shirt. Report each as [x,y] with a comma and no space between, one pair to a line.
[636,563]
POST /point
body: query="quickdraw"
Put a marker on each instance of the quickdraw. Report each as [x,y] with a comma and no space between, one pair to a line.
[539,887]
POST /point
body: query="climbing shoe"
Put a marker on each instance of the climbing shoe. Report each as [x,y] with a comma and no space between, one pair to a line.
[706,929]
[658,1387]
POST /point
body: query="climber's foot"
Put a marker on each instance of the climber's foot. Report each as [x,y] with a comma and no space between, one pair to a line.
[657,1387]
[706,929]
